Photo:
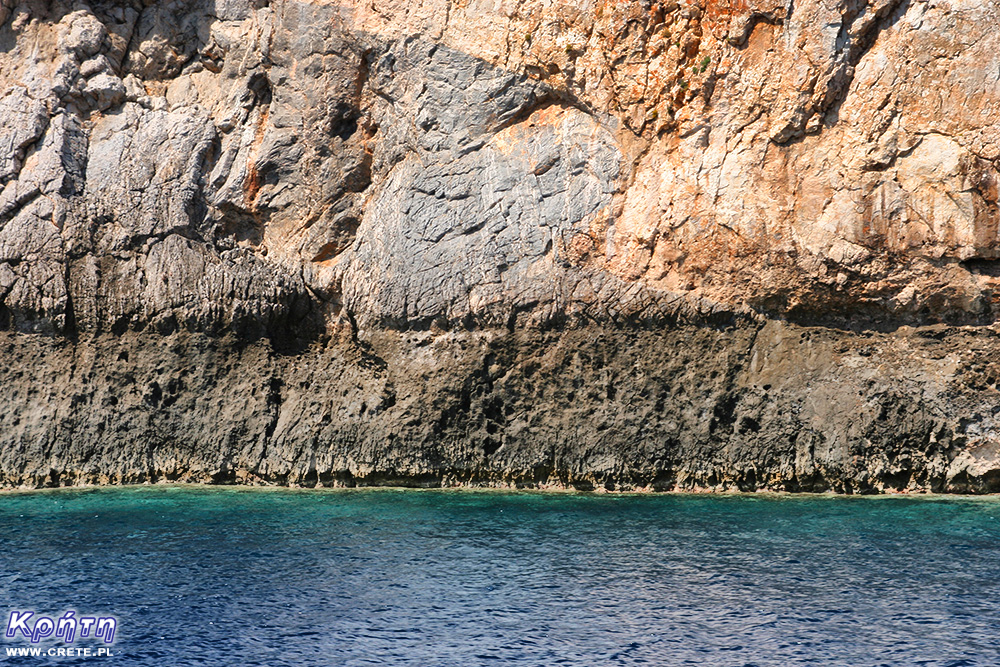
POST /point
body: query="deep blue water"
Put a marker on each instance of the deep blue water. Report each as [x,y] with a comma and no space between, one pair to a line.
[241,577]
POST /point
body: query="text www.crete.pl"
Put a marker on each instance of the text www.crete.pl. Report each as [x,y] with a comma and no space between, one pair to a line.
[60,652]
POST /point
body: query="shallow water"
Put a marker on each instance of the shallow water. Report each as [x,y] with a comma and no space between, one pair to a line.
[201,576]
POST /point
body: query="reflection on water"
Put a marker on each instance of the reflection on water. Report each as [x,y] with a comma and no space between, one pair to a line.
[239,577]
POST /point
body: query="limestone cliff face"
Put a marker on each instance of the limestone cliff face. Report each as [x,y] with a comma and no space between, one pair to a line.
[715,243]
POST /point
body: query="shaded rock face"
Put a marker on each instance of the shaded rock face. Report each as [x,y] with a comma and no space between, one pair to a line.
[783,407]
[713,244]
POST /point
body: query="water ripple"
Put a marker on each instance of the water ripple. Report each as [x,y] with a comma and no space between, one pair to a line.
[236,577]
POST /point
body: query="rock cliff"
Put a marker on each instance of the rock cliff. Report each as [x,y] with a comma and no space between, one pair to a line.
[622,244]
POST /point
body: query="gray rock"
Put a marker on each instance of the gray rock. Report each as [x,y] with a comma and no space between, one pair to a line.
[25,120]
[479,234]
[84,34]
[775,407]
[104,91]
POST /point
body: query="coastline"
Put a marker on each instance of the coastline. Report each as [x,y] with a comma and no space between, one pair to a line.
[760,494]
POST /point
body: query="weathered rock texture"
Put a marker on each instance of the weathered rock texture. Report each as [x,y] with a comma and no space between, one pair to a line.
[614,244]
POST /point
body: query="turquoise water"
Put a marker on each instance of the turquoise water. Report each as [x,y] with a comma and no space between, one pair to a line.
[240,577]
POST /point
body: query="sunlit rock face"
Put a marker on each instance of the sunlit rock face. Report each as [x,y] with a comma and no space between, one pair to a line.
[400,175]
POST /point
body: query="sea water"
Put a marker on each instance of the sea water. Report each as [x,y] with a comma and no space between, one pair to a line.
[222,576]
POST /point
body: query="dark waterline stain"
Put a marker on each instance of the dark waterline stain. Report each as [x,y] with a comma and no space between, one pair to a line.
[231,576]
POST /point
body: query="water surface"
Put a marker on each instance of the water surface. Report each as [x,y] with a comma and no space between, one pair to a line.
[202,576]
